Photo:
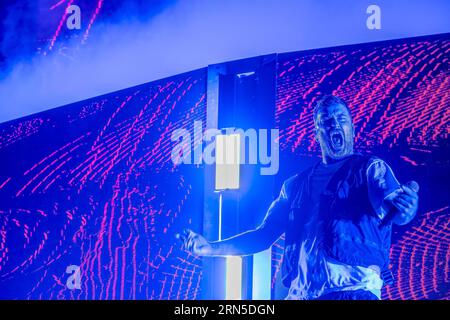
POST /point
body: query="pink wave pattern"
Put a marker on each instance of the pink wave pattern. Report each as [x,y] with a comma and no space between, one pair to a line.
[92,184]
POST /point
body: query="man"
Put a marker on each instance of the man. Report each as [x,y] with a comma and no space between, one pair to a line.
[336,216]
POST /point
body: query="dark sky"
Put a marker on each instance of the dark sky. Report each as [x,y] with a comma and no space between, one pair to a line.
[27,25]
[134,42]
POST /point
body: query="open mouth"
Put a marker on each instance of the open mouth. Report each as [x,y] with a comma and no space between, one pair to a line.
[337,139]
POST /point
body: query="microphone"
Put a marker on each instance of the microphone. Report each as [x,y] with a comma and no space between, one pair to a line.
[414,186]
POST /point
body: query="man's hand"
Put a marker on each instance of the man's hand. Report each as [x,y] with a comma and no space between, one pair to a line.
[406,203]
[195,243]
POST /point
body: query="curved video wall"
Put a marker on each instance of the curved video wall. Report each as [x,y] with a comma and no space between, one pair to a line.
[88,191]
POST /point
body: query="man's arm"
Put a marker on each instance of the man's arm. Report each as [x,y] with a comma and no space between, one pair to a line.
[405,204]
[245,243]
[248,242]
[392,201]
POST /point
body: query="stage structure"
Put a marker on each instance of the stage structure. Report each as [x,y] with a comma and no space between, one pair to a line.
[91,199]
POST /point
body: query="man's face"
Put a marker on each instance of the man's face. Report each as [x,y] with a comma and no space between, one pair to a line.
[334,131]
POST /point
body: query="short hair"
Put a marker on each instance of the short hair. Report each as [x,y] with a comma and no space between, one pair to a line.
[326,101]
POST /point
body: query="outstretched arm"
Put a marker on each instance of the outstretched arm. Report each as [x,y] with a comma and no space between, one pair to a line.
[246,243]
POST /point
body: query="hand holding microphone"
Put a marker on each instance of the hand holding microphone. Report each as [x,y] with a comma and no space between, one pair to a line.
[405,204]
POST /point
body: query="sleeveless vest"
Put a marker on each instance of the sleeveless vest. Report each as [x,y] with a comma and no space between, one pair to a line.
[352,231]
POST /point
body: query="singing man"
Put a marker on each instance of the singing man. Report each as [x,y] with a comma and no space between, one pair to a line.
[337,218]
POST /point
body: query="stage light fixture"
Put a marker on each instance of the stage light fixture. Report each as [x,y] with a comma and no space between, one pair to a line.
[227,178]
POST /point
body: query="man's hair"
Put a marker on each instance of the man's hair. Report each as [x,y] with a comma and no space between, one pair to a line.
[327,101]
